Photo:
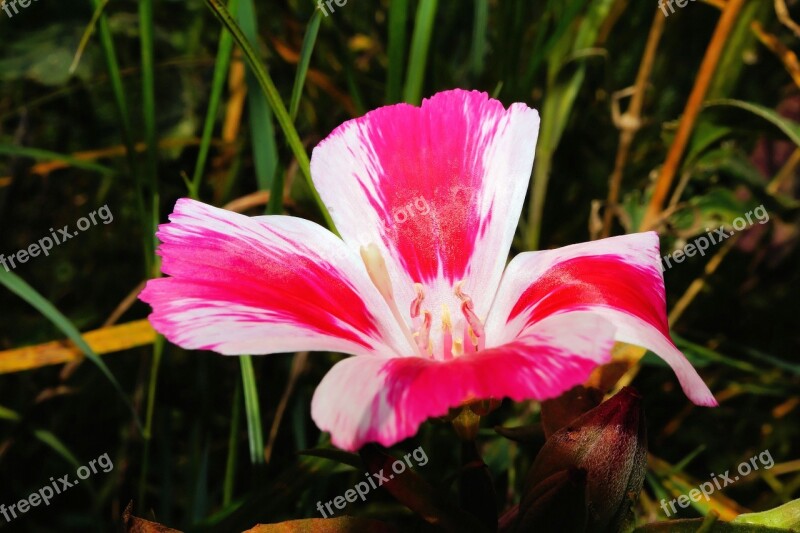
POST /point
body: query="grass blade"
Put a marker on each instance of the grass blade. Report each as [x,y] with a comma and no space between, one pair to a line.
[309,41]
[147,434]
[789,127]
[221,65]
[120,99]
[117,88]
[19,287]
[87,34]
[150,176]
[148,87]
[46,155]
[262,131]
[562,91]
[274,99]
[541,50]
[253,411]
[398,14]
[420,41]
[230,462]
[479,36]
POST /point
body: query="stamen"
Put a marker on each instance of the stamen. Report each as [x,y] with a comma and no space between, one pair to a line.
[423,336]
[473,338]
[460,292]
[417,302]
[469,340]
[474,334]
[379,274]
[472,319]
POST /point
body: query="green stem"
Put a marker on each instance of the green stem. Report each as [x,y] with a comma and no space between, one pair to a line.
[274,99]
[147,434]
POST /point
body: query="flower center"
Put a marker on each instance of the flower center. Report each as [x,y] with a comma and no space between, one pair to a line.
[473,337]
[419,335]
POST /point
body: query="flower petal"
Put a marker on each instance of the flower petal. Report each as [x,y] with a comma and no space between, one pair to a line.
[366,399]
[620,278]
[267,285]
[438,188]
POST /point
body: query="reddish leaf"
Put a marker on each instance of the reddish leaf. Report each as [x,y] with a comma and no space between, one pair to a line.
[342,524]
[133,524]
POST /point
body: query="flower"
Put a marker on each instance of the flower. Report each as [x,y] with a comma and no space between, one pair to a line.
[426,200]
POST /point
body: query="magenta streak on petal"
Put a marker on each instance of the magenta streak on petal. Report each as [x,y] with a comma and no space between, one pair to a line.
[304,291]
[602,280]
[433,154]
[389,399]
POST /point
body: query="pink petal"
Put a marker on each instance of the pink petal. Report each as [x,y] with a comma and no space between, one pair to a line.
[439,188]
[619,278]
[267,285]
[366,399]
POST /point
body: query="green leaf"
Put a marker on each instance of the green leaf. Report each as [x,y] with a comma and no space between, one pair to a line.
[148,91]
[541,51]
[19,287]
[123,116]
[46,155]
[788,127]
[787,516]
[420,41]
[695,351]
[253,410]
[9,414]
[398,14]
[262,130]
[479,36]
[305,58]
[693,526]
[731,162]
[562,91]
[221,65]
[55,443]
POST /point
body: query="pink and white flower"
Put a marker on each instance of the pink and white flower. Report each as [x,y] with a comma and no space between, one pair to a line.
[423,301]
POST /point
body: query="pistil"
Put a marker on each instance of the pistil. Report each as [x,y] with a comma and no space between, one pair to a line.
[447,333]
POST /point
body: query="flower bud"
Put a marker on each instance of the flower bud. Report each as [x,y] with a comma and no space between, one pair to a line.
[609,443]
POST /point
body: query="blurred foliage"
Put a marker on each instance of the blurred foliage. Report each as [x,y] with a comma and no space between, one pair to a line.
[157,85]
